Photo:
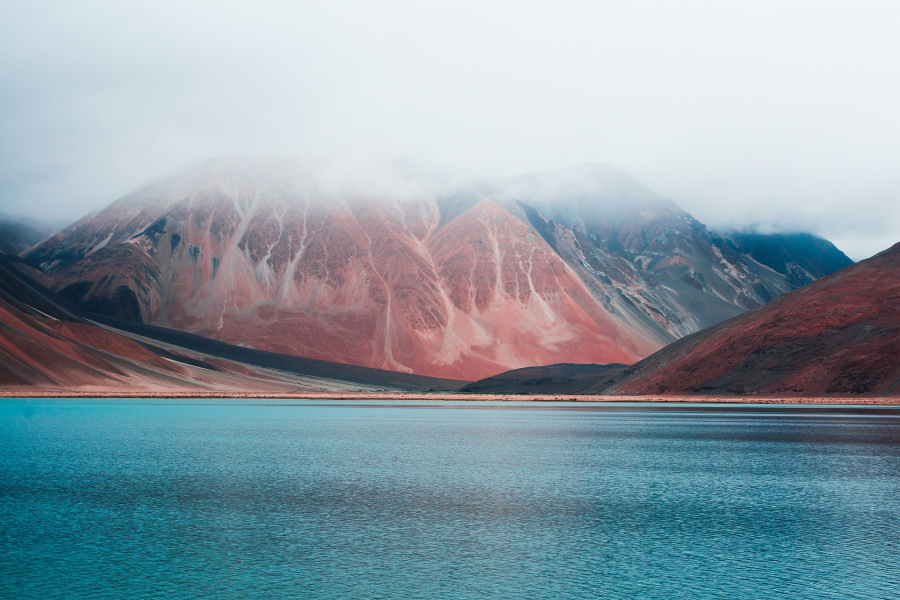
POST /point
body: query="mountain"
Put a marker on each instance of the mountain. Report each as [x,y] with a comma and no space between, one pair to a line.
[838,336]
[48,345]
[581,265]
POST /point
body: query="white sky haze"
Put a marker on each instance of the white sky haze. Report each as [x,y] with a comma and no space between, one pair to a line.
[779,115]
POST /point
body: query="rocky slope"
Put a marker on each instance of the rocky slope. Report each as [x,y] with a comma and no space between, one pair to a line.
[838,336]
[646,256]
[583,265]
[39,351]
[48,346]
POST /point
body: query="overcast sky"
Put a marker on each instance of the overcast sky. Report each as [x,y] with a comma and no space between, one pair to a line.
[783,115]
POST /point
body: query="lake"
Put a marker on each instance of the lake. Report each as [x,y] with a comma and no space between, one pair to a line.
[354,499]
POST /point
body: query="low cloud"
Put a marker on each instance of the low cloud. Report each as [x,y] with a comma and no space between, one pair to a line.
[779,115]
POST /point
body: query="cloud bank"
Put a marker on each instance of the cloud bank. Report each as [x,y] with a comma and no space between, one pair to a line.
[775,115]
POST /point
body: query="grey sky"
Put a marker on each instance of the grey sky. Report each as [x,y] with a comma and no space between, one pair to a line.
[783,114]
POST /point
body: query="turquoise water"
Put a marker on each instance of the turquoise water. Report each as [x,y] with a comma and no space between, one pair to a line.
[279,499]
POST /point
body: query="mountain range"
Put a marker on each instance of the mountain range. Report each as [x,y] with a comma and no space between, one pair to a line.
[582,265]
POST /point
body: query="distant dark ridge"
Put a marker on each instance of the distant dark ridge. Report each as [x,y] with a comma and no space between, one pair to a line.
[34,299]
[781,251]
[18,234]
[562,378]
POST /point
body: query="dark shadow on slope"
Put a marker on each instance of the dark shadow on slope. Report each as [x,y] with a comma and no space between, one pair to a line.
[563,378]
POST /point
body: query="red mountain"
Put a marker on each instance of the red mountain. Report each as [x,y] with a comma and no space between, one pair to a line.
[460,286]
[838,336]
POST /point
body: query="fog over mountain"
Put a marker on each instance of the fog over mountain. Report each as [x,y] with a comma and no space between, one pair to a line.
[769,116]
[580,264]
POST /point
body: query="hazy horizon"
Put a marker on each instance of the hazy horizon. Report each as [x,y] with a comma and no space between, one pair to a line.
[778,117]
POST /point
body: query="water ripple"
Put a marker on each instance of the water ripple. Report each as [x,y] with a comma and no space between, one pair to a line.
[120,500]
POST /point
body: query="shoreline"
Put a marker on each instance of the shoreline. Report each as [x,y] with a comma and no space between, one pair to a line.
[446,397]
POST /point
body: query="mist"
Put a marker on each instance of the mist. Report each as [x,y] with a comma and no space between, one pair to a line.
[775,116]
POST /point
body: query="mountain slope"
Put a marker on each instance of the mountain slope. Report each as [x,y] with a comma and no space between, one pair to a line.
[515,302]
[641,252]
[838,336]
[47,344]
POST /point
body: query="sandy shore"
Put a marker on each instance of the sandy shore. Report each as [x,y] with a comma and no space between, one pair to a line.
[44,393]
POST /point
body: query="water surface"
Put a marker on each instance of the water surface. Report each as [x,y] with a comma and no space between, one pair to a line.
[287,499]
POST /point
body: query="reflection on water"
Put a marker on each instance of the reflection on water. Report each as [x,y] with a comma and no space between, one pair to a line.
[271,499]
